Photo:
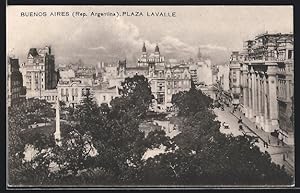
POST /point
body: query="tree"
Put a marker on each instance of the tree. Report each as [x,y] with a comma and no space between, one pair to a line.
[206,156]
[19,118]
[191,102]
[137,92]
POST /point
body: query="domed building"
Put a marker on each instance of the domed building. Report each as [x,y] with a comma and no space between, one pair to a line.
[165,80]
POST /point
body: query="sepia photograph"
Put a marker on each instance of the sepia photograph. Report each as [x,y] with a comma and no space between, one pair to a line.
[150,96]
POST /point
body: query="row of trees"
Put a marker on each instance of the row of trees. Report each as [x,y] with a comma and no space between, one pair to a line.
[200,154]
[216,158]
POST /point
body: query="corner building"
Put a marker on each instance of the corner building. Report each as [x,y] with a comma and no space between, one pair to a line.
[39,71]
[15,87]
[266,83]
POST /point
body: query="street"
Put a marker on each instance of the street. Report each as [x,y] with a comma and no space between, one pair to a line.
[276,151]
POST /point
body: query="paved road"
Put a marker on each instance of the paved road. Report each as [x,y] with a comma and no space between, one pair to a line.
[274,150]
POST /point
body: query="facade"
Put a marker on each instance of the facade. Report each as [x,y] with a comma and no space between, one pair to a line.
[165,80]
[15,87]
[223,77]
[105,94]
[50,95]
[234,78]
[204,72]
[72,90]
[39,71]
[193,71]
[266,83]
[66,73]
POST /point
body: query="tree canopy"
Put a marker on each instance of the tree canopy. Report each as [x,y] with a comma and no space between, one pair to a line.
[104,145]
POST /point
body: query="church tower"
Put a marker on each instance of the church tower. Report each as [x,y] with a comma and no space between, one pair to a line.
[142,61]
[144,51]
[199,55]
[156,50]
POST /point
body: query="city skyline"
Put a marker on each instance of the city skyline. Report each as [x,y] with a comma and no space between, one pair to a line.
[213,29]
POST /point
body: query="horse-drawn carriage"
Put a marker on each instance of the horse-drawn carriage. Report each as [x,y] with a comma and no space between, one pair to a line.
[226,125]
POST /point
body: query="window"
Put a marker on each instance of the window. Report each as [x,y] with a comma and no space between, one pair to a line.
[104,97]
[67,92]
[234,80]
[160,88]
[290,54]
[73,98]
[62,92]
[169,91]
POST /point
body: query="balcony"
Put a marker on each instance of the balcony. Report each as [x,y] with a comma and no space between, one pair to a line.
[281,71]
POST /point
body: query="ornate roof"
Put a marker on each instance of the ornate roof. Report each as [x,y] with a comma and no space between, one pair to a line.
[33,52]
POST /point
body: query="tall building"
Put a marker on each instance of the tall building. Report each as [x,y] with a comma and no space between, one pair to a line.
[266,74]
[15,87]
[234,78]
[223,76]
[39,71]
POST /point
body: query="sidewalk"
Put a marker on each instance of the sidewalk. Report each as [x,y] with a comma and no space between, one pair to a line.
[287,151]
[264,136]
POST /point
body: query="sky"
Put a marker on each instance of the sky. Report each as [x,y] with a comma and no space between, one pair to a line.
[216,30]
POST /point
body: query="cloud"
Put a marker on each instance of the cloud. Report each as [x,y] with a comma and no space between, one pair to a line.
[95,40]
[175,48]
[97,48]
[214,47]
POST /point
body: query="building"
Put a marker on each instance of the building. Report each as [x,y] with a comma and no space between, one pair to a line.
[15,87]
[39,71]
[105,94]
[193,71]
[234,78]
[72,90]
[223,77]
[265,78]
[165,80]
[204,70]
[66,73]
[85,72]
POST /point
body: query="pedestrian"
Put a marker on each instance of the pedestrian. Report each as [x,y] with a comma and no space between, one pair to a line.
[267,145]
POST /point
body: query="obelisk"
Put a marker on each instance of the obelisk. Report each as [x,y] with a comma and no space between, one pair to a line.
[57,134]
